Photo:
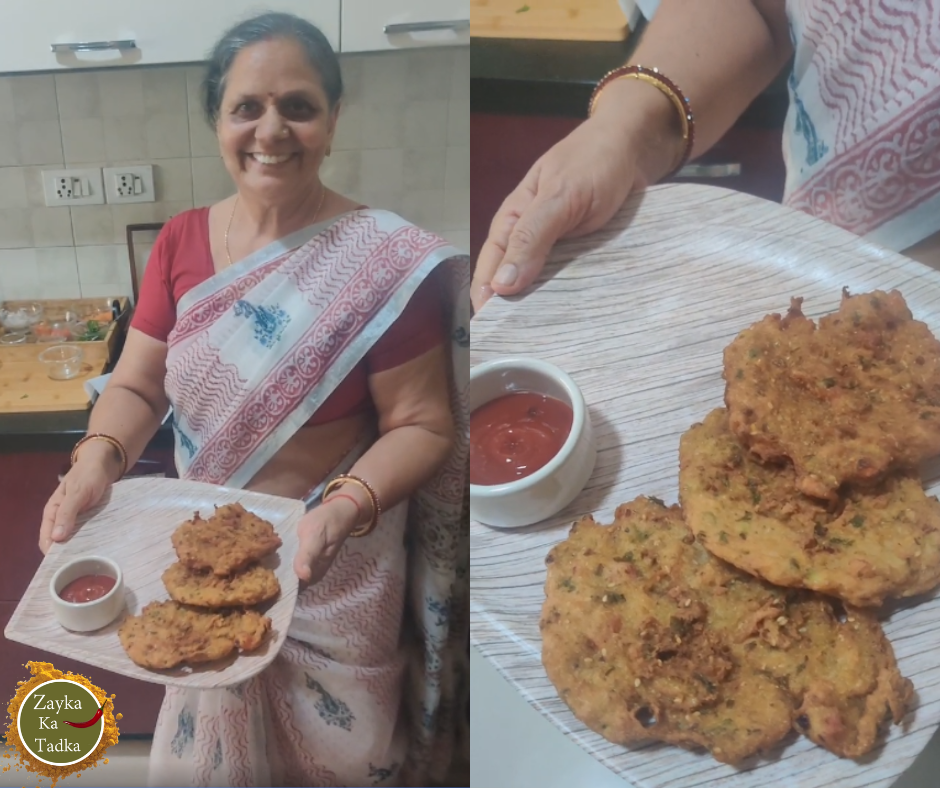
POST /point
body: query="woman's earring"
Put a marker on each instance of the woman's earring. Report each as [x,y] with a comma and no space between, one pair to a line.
[329,149]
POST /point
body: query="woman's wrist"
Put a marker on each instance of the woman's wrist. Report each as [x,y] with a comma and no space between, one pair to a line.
[645,121]
[100,454]
[355,502]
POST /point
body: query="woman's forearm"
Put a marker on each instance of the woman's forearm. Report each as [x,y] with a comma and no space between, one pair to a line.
[400,462]
[126,415]
[721,53]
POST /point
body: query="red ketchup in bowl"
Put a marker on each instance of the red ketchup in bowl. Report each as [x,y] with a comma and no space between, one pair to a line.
[512,436]
[87,588]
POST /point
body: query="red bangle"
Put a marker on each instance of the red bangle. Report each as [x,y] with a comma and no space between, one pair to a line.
[657,79]
[355,503]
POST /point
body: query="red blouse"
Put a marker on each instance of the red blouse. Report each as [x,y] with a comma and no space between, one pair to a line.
[181,259]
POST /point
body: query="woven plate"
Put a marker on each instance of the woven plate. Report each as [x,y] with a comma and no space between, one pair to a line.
[638,314]
[133,527]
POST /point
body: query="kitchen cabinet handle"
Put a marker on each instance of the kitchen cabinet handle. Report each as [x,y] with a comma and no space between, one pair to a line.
[421,27]
[94,46]
[709,171]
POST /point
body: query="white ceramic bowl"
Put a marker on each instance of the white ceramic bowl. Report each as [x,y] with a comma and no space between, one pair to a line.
[87,616]
[547,491]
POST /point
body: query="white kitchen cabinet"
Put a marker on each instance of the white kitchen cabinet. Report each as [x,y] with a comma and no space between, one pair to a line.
[370,25]
[162,31]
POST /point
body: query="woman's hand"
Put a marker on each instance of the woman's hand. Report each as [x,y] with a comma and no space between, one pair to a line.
[81,488]
[573,189]
[322,532]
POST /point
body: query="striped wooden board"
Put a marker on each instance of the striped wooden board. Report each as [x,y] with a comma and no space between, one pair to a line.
[133,527]
[639,314]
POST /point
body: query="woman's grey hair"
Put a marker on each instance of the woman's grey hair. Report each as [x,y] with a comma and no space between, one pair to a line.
[266,27]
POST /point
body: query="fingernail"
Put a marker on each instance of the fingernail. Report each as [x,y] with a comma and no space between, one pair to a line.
[58,532]
[506,275]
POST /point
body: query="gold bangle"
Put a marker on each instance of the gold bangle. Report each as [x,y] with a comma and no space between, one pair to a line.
[343,478]
[109,439]
[654,77]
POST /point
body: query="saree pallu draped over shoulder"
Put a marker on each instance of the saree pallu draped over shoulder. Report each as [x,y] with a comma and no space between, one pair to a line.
[256,350]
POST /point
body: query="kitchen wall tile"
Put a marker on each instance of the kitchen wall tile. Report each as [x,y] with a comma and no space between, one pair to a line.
[92,224]
[456,209]
[383,126]
[7,110]
[351,66]
[380,199]
[382,170]
[349,127]
[122,93]
[57,273]
[459,238]
[383,79]
[164,91]
[193,76]
[424,169]
[104,265]
[423,207]
[425,125]
[202,139]
[51,226]
[40,142]
[429,74]
[125,140]
[167,136]
[458,122]
[211,181]
[19,277]
[341,171]
[13,188]
[460,75]
[34,97]
[78,95]
[83,140]
[173,180]
[458,168]
[143,213]
[16,228]
[9,145]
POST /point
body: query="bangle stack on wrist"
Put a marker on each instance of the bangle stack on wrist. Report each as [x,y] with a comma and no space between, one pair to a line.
[654,77]
[118,446]
[339,481]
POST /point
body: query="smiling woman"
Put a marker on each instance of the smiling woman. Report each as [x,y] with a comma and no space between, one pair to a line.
[304,344]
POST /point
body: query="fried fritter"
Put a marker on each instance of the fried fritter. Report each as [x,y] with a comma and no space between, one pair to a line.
[231,539]
[167,634]
[845,402]
[877,542]
[251,586]
[648,636]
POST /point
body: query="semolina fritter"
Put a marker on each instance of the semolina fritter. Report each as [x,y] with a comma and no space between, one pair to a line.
[846,401]
[875,542]
[646,635]
[231,539]
[251,586]
[167,634]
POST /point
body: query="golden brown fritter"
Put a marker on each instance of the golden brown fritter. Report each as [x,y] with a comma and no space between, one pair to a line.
[876,542]
[648,636]
[167,634]
[231,539]
[845,402]
[251,586]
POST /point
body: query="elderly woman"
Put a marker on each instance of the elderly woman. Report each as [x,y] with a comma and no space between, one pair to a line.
[302,339]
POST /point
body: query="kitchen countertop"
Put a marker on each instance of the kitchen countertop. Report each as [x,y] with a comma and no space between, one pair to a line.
[521,77]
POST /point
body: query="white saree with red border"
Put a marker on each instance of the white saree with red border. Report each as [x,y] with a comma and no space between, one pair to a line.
[256,350]
[862,135]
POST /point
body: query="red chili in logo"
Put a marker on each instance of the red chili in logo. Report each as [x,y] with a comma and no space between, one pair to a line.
[88,724]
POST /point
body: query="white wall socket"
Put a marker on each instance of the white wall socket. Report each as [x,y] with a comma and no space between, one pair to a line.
[130,183]
[73,187]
